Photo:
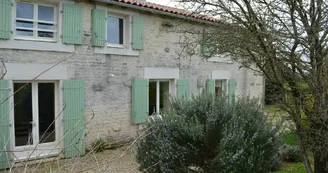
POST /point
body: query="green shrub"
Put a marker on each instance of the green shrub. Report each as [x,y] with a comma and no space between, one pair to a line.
[196,135]
[250,144]
[290,138]
[99,145]
[291,153]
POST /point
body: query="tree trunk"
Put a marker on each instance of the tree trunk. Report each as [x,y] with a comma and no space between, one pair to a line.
[320,163]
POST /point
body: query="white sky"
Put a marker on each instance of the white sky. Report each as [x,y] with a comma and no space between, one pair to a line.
[163,2]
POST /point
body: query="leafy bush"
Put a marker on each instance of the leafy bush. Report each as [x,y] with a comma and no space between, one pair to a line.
[290,138]
[206,134]
[291,153]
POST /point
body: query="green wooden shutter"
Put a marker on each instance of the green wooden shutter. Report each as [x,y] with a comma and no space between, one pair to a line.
[72,24]
[5,157]
[73,118]
[206,50]
[5,19]
[231,91]
[210,86]
[183,89]
[98,27]
[139,100]
[137,32]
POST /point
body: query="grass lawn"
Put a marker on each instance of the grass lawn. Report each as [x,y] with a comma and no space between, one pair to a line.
[292,168]
[290,139]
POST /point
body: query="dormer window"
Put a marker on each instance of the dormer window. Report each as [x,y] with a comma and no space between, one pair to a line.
[35,22]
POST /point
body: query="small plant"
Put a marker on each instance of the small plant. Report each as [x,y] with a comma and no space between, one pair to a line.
[99,145]
[291,153]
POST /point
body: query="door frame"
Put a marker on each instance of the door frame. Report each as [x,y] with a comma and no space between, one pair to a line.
[22,153]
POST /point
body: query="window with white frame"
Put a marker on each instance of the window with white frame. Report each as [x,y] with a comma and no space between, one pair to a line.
[34,112]
[158,95]
[35,21]
[220,87]
[115,30]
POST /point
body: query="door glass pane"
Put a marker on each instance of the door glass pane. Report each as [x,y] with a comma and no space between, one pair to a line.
[24,10]
[152,97]
[164,95]
[46,94]
[220,87]
[114,30]
[23,115]
[46,13]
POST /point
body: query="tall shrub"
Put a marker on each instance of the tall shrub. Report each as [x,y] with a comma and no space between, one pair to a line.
[190,136]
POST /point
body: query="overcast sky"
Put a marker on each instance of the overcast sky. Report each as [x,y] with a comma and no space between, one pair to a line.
[163,2]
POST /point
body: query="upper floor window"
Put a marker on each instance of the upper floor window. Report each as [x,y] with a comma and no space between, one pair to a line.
[35,22]
[115,30]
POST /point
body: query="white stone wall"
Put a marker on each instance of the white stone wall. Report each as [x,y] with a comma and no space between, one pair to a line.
[108,77]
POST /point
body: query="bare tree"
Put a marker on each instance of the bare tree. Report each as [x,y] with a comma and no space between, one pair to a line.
[285,40]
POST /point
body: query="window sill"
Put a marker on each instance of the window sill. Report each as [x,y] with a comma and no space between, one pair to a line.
[117,51]
[35,45]
[35,39]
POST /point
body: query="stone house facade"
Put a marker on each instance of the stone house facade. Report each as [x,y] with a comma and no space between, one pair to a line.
[77,71]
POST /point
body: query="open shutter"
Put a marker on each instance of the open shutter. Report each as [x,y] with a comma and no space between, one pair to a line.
[231,91]
[5,157]
[72,24]
[139,100]
[210,86]
[183,89]
[137,32]
[206,50]
[98,27]
[73,118]
[5,19]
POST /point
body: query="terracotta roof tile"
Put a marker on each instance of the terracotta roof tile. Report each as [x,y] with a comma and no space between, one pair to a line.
[167,9]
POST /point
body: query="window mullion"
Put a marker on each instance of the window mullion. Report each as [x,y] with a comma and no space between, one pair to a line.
[157,96]
[35,23]
[35,108]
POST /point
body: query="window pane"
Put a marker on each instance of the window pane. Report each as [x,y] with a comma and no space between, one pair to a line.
[21,32]
[46,13]
[24,10]
[114,30]
[45,34]
[24,24]
[23,116]
[46,94]
[152,97]
[164,94]
[46,26]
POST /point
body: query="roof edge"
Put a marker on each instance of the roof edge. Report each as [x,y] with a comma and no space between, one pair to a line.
[158,12]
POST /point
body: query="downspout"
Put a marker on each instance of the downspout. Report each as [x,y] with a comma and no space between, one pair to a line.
[156,11]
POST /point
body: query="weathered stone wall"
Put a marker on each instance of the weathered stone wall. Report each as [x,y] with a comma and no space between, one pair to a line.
[108,77]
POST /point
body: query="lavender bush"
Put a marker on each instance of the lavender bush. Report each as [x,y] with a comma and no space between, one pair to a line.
[207,134]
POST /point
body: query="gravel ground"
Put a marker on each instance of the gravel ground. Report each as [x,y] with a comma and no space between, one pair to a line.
[108,161]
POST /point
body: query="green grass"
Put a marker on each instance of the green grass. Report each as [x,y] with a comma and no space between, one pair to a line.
[292,168]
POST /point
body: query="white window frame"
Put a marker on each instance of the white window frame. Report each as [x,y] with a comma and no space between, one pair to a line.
[157,111]
[36,21]
[126,48]
[27,152]
[58,46]
[221,75]
[123,46]
[224,84]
